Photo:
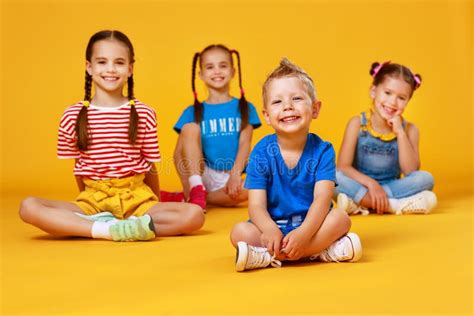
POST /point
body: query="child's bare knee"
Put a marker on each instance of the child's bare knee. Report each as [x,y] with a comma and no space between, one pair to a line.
[342,220]
[194,219]
[238,232]
[27,209]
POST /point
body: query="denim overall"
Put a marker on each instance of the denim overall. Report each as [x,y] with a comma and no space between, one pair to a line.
[378,159]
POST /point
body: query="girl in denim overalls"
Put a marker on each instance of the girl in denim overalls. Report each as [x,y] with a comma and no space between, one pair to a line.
[379,146]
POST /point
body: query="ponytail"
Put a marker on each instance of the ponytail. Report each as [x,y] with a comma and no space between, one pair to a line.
[133,125]
[82,119]
[243,104]
[198,108]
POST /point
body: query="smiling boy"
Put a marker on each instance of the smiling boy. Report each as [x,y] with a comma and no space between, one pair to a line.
[291,179]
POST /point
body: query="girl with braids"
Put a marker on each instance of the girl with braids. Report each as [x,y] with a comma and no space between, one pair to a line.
[113,140]
[214,136]
[379,146]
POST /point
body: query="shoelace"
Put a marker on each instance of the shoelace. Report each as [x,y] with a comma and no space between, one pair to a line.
[335,251]
[259,257]
[201,194]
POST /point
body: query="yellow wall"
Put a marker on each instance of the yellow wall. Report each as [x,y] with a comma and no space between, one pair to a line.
[43,44]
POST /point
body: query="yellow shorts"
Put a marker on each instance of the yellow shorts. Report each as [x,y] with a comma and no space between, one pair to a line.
[123,197]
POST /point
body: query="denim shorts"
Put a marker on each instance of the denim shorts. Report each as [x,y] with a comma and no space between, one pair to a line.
[287,225]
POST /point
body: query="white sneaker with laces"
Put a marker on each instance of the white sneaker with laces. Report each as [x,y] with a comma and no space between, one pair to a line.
[346,248]
[420,203]
[347,204]
[251,257]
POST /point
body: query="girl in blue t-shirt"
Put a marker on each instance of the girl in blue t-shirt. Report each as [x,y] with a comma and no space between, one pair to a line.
[214,135]
[379,146]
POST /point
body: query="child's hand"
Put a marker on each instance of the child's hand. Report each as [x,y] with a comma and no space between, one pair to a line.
[271,239]
[233,187]
[378,197]
[295,243]
[396,124]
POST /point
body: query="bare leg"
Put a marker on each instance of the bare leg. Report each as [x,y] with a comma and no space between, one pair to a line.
[248,232]
[55,217]
[221,198]
[173,218]
[188,156]
[336,225]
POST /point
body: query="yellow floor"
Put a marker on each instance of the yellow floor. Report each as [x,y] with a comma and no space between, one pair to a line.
[412,265]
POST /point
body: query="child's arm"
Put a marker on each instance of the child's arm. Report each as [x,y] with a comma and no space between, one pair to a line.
[295,243]
[151,179]
[407,145]
[234,184]
[80,184]
[271,235]
[346,158]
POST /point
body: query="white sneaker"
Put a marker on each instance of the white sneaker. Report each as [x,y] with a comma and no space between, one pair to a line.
[420,203]
[347,204]
[347,248]
[251,257]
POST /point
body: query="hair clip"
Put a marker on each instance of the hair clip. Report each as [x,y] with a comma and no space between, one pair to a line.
[86,103]
[195,95]
[131,102]
[416,78]
[242,91]
[377,69]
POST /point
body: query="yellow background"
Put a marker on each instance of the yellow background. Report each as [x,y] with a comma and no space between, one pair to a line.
[43,48]
[412,265]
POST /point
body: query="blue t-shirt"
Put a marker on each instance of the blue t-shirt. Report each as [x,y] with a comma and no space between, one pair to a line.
[220,131]
[289,191]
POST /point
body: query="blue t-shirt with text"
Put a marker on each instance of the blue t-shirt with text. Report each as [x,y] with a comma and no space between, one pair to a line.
[220,131]
[290,192]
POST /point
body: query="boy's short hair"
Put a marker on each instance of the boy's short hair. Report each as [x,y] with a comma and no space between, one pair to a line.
[289,69]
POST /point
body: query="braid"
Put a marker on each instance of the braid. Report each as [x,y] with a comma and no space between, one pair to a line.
[197,105]
[82,120]
[133,125]
[243,104]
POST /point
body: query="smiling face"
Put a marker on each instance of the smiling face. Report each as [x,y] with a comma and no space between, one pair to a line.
[216,69]
[109,65]
[390,97]
[288,106]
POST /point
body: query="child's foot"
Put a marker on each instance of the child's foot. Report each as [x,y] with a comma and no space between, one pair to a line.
[99,217]
[421,203]
[251,257]
[166,196]
[347,204]
[347,248]
[140,228]
[198,195]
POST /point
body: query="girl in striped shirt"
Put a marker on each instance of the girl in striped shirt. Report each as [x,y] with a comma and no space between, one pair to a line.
[113,140]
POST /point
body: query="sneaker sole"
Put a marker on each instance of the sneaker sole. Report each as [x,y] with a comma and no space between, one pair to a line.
[241,256]
[356,247]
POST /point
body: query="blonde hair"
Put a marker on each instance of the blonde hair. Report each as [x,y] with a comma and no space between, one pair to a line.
[289,69]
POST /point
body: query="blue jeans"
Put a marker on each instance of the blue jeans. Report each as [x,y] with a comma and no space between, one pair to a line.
[411,184]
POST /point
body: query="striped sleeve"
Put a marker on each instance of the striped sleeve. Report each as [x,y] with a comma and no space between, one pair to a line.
[67,148]
[150,148]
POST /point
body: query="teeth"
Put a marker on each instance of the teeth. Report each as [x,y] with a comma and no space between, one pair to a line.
[289,118]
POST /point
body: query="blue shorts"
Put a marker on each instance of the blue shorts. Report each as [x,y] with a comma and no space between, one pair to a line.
[292,223]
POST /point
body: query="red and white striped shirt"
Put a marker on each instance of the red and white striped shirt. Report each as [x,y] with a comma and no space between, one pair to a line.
[109,153]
